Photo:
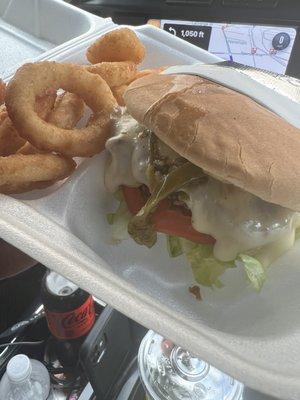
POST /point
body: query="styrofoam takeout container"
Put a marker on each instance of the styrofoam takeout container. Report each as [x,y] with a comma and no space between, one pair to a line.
[253,337]
[29,28]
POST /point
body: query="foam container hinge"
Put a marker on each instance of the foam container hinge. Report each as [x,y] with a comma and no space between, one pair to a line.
[31,28]
[253,337]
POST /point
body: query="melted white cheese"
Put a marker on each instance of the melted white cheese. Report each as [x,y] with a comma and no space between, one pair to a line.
[238,220]
[128,150]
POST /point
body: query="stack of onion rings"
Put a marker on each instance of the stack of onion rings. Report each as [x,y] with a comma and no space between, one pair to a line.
[38,134]
[33,79]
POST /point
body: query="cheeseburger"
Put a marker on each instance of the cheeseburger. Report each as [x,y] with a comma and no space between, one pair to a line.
[210,168]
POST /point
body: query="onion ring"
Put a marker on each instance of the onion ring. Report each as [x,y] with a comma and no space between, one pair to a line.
[21,173]
[117,45]
[10,140]
[68,110]
[145,72]
[44,103]
[3,113]
[27,149]
[2,91]
[114,73]
[32,79]
[118,92]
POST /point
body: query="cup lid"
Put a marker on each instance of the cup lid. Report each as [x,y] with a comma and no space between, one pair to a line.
[170,372]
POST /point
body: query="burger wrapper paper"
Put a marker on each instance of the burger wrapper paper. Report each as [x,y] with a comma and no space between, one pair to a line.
[278,93]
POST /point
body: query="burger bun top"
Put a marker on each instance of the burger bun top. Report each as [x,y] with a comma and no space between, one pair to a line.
[226,133]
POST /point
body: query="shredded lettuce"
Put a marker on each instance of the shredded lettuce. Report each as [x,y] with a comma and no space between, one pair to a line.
[254,270]
[119,221]
[174,246]
[110,218]
[187,245]
[207,269]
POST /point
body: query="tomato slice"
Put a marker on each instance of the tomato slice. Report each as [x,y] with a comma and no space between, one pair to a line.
[173,222]
[134,199]
[168,221]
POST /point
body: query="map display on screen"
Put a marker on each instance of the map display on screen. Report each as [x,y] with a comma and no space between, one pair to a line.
[266,47]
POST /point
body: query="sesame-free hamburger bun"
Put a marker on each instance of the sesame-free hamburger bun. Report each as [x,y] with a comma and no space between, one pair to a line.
[226,133]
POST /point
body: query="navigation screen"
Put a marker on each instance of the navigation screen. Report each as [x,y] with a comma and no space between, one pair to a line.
[266,47]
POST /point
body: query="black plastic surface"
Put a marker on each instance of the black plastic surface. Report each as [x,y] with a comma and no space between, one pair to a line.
[278,12]
[109,352]
[263,12]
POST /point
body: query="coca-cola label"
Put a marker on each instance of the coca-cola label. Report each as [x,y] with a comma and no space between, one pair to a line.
[72,324]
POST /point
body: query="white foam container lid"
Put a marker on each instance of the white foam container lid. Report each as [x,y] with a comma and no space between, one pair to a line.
[29,28]
[253,337]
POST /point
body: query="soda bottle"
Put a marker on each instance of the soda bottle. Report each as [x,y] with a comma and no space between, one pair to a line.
[70,316]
